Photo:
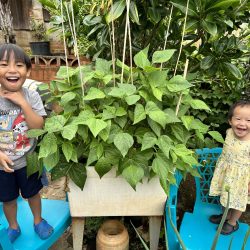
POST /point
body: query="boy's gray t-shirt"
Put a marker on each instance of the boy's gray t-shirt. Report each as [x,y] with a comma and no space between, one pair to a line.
[13,139]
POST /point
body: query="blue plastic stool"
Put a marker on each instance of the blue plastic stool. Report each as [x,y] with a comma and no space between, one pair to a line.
[196,231]
[56,212]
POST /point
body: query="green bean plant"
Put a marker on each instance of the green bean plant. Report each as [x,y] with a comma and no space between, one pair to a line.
[133,127]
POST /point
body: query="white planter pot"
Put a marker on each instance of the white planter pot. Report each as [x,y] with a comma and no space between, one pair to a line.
[113,196]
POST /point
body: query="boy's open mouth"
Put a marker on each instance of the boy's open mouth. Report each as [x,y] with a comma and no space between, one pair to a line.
[12,79]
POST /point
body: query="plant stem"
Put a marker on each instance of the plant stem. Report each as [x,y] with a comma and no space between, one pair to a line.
[182,37]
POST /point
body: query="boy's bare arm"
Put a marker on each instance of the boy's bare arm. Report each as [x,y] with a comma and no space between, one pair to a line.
[33,120]
[5,161]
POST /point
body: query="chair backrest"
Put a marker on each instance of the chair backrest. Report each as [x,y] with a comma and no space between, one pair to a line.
[207,157]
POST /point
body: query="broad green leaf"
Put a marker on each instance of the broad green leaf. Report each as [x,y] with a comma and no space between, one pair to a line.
[117,92]
[210,27]
[217,136]
[223,4]
[133,12]
[181,149]
[154,126]
[156,114]
[103,66]
[187,121]
[171,116]
[161,167]
[139,113]
[67,149]
[107,78]
[77,173]
[65,72]
[190,160]
[132,99]
[32,133]
[69,131]
[141,58]
[82,117]
[96,125]
[54,123]
[148,141]
[198,104]
[198,125]
[178,83]
[104,134]
[33,163]
[120,111]
[180,133]
[157,93]
[93,94]
[182,6]
[67,97]
[162,56]
[51,160]
[123,141]
[232,70]
[165,143]
[48,145]
[103,166]
[128,89]
[133,175]
[154,15]
[117,9]
[60,170]
[207,62]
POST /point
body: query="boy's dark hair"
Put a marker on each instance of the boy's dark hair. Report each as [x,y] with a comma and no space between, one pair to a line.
[240,103]
[7,48]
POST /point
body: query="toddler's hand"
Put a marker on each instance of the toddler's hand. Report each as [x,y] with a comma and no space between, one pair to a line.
[4,161]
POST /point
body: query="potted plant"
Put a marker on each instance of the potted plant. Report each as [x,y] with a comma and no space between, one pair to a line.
[108,122]
[124,125]
[41,45]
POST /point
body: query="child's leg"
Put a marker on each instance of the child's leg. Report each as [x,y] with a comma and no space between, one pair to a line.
[234,216]
[10,211]
[35,206]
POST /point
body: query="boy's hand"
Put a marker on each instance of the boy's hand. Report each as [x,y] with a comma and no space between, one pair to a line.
[249,189]
[4,161]
[15,97]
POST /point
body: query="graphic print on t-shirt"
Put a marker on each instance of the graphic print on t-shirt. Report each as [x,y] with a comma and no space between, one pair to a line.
[13,139]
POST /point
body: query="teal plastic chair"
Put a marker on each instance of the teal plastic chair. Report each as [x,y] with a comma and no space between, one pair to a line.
[196,231]
[56,212]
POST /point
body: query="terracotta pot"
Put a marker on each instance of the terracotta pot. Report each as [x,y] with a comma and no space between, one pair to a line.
[112,235]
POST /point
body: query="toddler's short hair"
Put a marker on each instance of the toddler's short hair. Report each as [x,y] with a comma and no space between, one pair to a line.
[243,102]
[19,54]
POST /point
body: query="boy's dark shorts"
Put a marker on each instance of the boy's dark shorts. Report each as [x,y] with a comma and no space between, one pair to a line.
[12,184]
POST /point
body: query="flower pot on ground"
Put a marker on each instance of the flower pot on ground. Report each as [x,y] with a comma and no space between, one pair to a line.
[40,45]
[40,48]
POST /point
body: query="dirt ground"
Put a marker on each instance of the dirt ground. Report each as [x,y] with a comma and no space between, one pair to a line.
[56,190]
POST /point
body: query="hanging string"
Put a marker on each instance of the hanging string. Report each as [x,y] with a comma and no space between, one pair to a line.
[112,45]
[130,48]
[182,38]
[167,34]
[76,46]
[125,39]
[180,98]
[64,41]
